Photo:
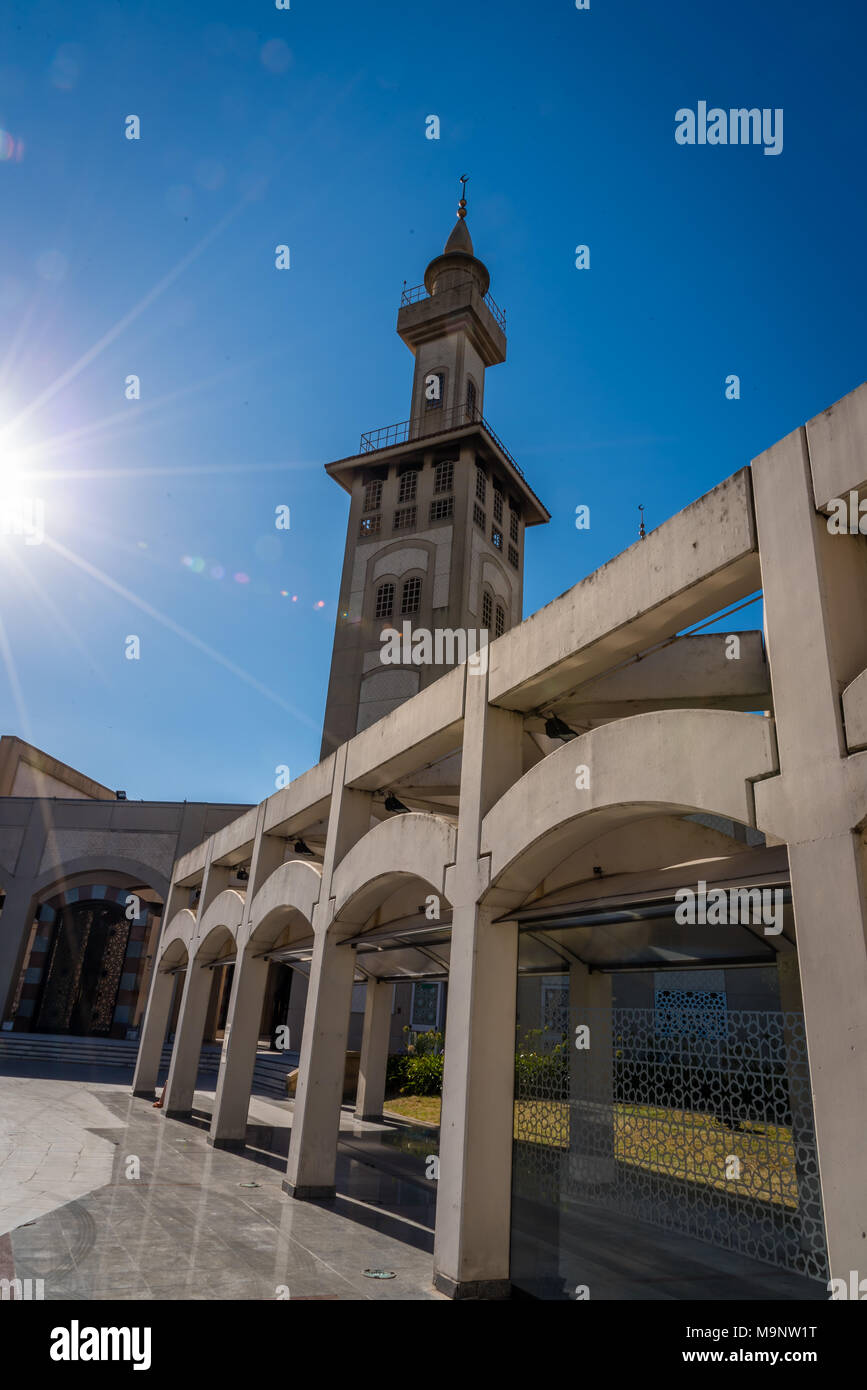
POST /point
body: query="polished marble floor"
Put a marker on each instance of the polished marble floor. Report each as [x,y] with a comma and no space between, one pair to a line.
[198,1223]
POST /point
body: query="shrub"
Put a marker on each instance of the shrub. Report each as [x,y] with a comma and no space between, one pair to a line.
[395,1073]
[542,1072]
[424,1075]
[409,1075]
[422,1042]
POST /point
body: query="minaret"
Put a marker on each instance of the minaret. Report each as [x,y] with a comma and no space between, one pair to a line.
[438,505]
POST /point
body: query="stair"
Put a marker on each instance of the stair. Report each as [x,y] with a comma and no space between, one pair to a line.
[269,1073]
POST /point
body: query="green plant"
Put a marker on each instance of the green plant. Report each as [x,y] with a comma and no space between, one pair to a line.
[420,1044]
[538,1072]
[395,1072]
[423,1075]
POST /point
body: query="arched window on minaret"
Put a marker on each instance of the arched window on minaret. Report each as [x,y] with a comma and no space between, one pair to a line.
[471,399]
[384,601]
[408,484]
[373,495]
[481,483]
[410,599]
[487,610]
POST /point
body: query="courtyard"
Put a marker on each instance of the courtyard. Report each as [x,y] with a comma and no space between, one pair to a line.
[199,1223]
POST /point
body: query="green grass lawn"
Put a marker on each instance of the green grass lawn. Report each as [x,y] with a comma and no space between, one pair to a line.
[424,1108]
[680,1143]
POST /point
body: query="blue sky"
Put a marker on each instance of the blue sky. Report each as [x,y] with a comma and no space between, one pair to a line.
[306,127]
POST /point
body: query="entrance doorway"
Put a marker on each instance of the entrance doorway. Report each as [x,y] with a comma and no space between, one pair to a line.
[84,970]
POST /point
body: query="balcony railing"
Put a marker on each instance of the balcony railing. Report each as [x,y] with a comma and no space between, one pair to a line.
[426,426]
[412,296]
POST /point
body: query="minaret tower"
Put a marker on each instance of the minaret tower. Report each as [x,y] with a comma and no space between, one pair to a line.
[438,505]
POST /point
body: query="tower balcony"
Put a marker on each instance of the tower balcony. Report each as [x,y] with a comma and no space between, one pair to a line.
[426,427]
[455,306]
[440,427]
[419,438]
[417,292]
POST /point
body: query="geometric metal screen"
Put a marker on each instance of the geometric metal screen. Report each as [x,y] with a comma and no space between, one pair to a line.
[702,1012]
[692,1119]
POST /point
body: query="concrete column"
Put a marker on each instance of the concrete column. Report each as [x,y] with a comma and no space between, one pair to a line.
[159,1004]
[218,982]
[803,1130]
[184,1068]
[153,1035]
[241,1037]
[374,1050]
[238,1058]
[471,1250]
[590,1160]
[316,1121]
[297,1008]
[815,585]
[831,919]
[471,1245]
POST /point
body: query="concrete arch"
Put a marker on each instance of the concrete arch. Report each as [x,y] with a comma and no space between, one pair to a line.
[59,876]
[176,956]
[492,569]
[631,774]
[223,918]
[180,930]
[413,845]
[405,552]
[292,890]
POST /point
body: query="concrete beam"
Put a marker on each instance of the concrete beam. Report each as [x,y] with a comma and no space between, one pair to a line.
[835,440]
[690,673]
[855,712]
[418,732]
[234,843]
[190,868]
[305,801]
[699,561]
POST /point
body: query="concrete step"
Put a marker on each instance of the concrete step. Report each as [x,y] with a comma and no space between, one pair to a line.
[269,1073]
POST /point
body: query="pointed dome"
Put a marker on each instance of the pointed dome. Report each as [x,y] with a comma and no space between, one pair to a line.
[459,239]
[458,263]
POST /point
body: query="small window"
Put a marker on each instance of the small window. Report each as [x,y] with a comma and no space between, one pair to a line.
[411,596]
[479,517]
[487,611]
[444,477]
[497,537]
[426,1008]
[500,624]
[404,519]
[471,400]
[513,526]
[513,555]
[370,525]
[434,384]
[498,505]
[373,495]
[481,485]
[407,486]
[384,601]
[441,508]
